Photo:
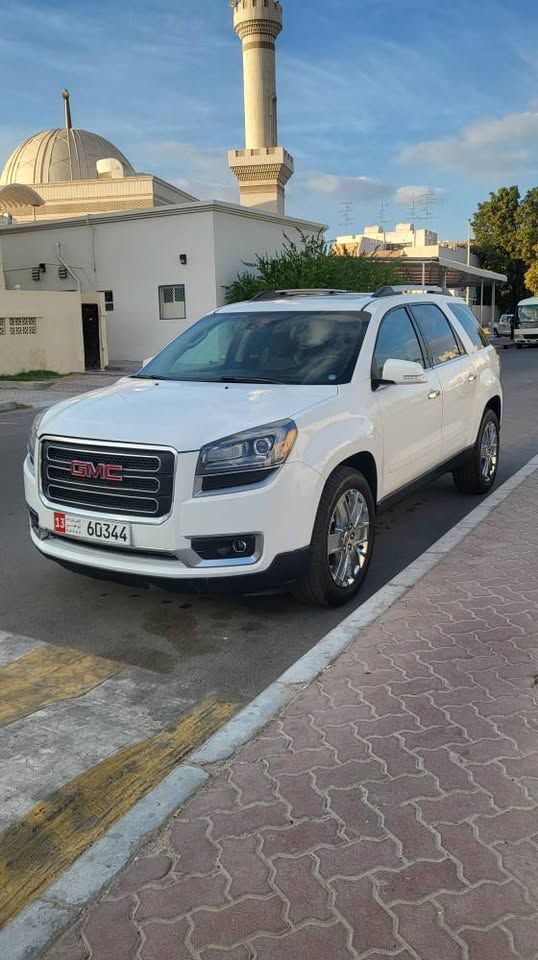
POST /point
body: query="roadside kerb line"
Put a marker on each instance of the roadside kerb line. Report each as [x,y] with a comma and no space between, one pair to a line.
[49,838]
[36,925]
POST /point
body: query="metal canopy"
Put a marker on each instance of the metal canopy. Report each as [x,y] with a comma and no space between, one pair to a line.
[445,272]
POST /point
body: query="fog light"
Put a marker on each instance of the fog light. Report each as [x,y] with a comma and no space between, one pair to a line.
[239,546]
[225,548]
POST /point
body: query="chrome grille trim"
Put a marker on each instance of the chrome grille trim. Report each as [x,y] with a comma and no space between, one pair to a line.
[145,488]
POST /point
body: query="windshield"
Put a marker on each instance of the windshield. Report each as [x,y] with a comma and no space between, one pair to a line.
[295,347]
[527,315]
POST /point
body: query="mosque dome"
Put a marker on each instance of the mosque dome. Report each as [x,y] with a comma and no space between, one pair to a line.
[65,153]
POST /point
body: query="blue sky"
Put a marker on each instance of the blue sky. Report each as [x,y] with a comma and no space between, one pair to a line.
[378,101]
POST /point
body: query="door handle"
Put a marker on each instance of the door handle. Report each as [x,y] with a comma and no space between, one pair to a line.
[433,394]
[472,377]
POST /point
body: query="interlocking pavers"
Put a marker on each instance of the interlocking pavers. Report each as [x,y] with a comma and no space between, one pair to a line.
[390,812]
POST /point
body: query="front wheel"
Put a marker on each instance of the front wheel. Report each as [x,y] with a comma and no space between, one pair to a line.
[342,541]
[478,473]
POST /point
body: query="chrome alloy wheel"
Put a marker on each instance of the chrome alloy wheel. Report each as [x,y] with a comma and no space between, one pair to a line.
[489,452]
[348,539]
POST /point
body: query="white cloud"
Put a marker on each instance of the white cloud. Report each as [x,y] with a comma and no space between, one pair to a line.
[408,194]
[349,188]
[368,189]
[506,144]
[202,172]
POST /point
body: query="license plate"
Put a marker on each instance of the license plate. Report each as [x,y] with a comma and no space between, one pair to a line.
[84,528]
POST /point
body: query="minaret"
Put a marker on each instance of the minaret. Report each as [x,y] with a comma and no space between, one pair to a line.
[262,168]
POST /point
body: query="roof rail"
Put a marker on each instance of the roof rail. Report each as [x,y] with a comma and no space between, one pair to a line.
[391,291]
[306,292]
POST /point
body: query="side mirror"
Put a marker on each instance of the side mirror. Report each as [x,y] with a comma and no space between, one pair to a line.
[403,372]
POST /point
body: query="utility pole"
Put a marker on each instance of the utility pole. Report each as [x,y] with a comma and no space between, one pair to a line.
[467,290]
[347,216]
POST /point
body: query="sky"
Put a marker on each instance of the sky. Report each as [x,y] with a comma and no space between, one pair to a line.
[388,107]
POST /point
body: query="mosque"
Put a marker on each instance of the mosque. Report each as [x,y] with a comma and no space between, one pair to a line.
[71,171]
[142,258]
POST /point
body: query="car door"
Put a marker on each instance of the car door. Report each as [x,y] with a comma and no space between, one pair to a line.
[457,373]
[411,414]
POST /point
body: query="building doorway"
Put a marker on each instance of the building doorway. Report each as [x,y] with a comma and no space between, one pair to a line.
[90,333]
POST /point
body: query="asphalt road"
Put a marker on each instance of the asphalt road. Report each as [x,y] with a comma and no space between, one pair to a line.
[234,646]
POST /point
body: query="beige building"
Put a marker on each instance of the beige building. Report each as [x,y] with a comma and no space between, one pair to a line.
[422,259]
[77,172]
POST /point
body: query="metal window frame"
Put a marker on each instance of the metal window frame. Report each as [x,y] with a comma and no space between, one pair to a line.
[165,286]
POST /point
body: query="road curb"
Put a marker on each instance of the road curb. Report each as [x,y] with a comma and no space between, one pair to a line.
[38,924]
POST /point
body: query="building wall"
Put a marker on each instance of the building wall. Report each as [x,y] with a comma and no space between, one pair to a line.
[71,198]
[131,258]
[40,331]
[239,237]
[133,255]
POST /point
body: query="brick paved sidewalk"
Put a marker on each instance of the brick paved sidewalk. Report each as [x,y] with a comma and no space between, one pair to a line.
[391,810]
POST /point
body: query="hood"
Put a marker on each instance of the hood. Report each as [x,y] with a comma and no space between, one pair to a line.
[179,414]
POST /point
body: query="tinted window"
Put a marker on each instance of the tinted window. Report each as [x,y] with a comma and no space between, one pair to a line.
[397,340]
[282,346]
[437,332]
[470,324]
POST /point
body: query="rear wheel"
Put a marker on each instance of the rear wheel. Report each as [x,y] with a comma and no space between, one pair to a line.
[342,541]
[478,473]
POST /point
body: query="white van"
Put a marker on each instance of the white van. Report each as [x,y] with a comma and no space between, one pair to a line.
[526,323]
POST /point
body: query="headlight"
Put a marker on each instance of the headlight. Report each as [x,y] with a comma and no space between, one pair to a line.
[32,439]
[263,448]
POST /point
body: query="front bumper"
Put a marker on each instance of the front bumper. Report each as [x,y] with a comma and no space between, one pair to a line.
[280,513]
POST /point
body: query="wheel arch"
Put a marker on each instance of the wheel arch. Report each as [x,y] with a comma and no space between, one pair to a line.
[495,404]
[365,463]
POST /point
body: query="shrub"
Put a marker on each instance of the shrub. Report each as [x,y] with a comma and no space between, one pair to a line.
[311,263]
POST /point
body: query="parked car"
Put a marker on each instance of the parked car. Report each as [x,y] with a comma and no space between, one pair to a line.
[262,441]
[503,326]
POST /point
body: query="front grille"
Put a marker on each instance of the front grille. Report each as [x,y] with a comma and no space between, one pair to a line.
[139,482]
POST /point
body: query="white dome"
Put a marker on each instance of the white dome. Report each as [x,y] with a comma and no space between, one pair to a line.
[62,154]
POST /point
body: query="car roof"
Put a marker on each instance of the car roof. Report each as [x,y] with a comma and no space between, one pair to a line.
[336,302]
[529,300]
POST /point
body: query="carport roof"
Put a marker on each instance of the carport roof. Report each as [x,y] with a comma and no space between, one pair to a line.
[442,271]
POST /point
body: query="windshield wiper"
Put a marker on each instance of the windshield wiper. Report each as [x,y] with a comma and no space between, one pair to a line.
[233,379]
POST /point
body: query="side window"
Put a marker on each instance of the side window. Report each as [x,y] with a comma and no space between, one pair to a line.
[396,340]
[437,332]
[470,324]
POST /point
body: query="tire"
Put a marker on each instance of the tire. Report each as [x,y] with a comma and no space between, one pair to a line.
[495,332]
[519,346]
[334,577]
[478,473]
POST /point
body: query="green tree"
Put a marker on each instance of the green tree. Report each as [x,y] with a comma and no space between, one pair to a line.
[531,276]
[310,263]
[528,226]
[498,239]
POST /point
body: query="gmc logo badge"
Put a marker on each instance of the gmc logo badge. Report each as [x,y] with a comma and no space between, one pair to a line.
[84,470]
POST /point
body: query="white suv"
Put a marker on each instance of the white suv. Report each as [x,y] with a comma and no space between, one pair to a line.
[262,441]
